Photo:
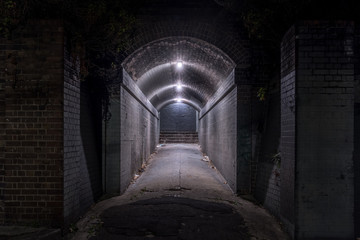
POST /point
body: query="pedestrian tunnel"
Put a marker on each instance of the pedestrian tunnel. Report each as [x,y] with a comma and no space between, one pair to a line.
[172,85]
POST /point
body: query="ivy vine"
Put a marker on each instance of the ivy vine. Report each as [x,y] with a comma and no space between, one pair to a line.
[96,33]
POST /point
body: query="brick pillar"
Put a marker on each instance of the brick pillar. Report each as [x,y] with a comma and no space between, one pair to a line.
[31,125]
[317,132]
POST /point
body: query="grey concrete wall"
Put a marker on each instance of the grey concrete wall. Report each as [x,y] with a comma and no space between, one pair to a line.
[324,139]
[111,146]
[139,136]
[139,130]
[217,130]
[178,117]
[130,136]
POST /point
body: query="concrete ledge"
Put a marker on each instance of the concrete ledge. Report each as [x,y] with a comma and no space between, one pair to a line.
[223,90]
[130,86]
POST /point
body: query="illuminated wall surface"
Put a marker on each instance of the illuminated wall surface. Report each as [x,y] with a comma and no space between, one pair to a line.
[178,117]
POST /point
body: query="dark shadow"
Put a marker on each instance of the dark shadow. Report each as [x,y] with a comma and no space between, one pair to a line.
[90,155]
[172,218]
[267,190]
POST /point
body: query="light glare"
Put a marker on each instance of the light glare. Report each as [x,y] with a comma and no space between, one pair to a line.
[178,87]
[179,64]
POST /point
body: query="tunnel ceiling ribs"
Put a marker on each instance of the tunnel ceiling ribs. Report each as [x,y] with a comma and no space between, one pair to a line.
[154,68]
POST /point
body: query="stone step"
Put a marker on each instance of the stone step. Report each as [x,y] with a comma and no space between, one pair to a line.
[179,137]
[172,136]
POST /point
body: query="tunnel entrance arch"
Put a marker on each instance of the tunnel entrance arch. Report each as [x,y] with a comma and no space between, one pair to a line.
[206,74]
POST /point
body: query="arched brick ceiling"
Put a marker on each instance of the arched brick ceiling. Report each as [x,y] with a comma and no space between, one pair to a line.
[153,68]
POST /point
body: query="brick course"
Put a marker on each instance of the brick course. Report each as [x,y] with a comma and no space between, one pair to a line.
[72,144]
[319,122]
[31,125]
[288,121]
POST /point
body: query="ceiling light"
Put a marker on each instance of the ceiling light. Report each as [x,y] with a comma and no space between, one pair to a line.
[178,87]
[179,64]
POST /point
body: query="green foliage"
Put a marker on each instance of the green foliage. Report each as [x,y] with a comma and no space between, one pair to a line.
[255,22]
[276,158]
[96,33]
[8,16]
[268,20]
[261,93]
[73,228]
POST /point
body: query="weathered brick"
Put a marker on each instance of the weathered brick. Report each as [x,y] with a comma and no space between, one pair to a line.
[23,118]
[321,132]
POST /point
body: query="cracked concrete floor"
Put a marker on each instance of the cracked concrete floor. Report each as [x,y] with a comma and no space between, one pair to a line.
[178,196]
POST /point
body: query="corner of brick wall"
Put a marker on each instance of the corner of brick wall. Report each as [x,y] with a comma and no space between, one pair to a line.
[317,103]
[72,138]
[287,132]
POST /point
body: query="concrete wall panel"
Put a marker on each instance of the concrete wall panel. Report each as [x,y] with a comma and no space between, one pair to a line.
[139,136]
[178,117]
[217,131]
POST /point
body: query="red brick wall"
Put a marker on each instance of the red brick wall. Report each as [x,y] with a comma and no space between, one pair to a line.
[31,125]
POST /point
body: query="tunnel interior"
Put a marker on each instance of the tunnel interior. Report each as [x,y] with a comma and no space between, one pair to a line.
[172,84]
[297,152]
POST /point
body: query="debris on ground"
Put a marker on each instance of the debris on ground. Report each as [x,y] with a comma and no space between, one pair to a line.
[178,189]
[206,159]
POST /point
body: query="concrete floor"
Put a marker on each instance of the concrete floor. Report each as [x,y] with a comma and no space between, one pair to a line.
[178,196]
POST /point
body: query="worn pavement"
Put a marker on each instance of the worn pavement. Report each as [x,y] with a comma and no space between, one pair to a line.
[178,196]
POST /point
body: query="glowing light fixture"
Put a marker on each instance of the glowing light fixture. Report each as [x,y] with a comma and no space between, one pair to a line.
[179,87]
[179,64]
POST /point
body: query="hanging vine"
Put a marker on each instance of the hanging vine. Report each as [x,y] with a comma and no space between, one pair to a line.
[96,34]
